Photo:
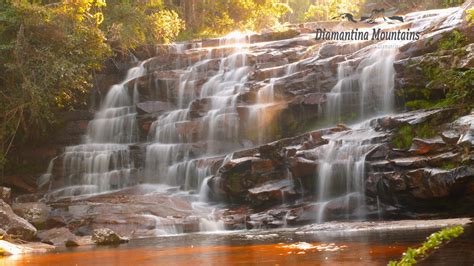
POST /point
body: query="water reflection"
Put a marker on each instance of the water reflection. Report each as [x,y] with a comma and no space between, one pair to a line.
[242,248]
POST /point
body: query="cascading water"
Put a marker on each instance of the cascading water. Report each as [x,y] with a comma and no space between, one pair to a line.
[103,161]
[203,120]
[341,171]
[175,156]
[364,89]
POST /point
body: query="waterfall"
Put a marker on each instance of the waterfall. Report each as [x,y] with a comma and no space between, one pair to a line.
[103,161]
[341,171]
[365,90]
[172,155]
[216,104]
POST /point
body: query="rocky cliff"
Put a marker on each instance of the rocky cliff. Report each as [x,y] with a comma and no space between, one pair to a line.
[277,128]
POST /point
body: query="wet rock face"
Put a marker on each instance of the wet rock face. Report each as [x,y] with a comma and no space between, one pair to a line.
[105,236]
[273,192]
[421,66]
[271,173]
[435,172]
[430,173]
[14,225]
[241,174]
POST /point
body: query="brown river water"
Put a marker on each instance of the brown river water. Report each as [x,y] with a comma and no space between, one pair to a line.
[273,247]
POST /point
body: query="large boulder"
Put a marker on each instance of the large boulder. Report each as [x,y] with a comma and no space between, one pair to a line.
[35,213]
[58,237]
[105,236]
[239,175]
[14,225]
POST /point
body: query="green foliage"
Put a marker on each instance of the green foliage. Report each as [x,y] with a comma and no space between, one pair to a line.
[404,137]
[449,3]
[48,55]
[448,165]
[221,17]
[130,25]
[50,52]
[425,131]
[456,84]
[405,134]
[455,39]
[299,8]
[166,26]
[326,10]
[434,241]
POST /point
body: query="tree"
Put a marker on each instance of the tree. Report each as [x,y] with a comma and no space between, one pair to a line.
[48,54]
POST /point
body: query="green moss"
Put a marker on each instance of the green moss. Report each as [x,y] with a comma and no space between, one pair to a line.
[234,182]
[404,137]
[445,87]
[419,104]
[456,84]
[434,241]
[425,131]
[448,165]
[455,39]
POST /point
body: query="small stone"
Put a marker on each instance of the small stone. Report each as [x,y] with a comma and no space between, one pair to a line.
[5,194]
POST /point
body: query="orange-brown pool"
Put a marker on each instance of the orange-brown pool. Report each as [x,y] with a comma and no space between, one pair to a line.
[244,248]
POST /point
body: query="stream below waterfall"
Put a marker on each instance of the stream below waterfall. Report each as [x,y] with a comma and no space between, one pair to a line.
[265,247]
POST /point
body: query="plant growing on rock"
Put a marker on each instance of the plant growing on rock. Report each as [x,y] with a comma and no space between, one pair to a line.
[405,134]
[434,241]
[447,84]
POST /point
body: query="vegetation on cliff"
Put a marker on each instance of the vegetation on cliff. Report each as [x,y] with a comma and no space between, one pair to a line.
[444,80]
